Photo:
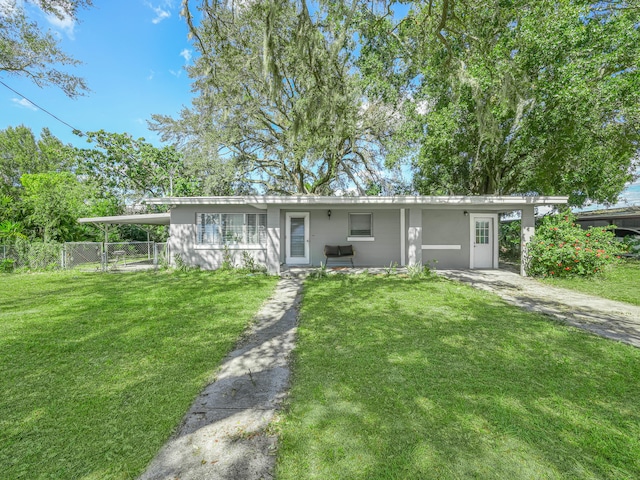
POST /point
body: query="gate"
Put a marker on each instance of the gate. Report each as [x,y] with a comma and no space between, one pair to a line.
[129,255]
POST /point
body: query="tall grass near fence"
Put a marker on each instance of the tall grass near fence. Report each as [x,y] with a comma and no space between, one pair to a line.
[22,254]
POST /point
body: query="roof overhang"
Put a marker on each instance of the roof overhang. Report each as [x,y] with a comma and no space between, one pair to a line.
[489,202]
[139,219]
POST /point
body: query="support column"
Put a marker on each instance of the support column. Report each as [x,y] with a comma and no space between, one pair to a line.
[273,240]
[527,230]
[403,238]
[415,236]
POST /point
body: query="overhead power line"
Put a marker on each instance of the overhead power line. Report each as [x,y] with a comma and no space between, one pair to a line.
[75,130]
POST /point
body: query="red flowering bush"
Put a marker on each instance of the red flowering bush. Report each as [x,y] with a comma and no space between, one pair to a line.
[561,248]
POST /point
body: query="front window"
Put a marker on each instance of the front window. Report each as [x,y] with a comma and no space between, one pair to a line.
[360,225]
[231,228]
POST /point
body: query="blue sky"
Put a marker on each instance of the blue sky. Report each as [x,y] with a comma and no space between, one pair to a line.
[133,53]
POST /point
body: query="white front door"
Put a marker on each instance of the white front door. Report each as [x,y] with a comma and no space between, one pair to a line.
[297,232]
[483,241]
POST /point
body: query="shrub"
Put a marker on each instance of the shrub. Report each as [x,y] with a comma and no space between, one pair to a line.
[561,248]
[250,264]
[37,255]
[7,265]
[510,240]
[227,259]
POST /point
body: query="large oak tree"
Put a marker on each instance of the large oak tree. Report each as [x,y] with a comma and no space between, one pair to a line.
[279,95]
[516,97]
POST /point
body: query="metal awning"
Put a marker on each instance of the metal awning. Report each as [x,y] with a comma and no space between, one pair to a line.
[139,219]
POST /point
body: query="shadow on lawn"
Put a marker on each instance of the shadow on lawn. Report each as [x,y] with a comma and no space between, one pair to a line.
[401,379]
[97,373]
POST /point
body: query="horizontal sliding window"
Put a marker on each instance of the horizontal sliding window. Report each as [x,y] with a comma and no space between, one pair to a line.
[231,228]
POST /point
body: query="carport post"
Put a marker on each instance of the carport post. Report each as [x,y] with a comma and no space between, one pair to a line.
[103,228]
[527,230]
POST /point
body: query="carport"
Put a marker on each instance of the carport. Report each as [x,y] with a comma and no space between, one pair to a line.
[128,254]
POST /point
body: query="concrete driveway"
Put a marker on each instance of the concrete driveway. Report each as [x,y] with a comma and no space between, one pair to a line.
[607,318]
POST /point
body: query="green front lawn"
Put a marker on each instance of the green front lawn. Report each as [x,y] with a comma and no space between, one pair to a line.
[621,282]
[97,370]
[396,379]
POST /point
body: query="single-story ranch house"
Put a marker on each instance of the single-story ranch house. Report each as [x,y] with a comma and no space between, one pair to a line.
[458,232]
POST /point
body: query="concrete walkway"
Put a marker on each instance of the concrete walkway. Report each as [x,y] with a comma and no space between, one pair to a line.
[224,434]
[608,318]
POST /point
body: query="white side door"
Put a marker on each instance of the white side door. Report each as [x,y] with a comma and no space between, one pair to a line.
[297,231]
[483,241]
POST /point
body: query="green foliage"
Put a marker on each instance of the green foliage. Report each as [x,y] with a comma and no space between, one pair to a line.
[181,265]
[510,240]
[23,153]
[250,264]
[561,248]
[133,168]
[392,269]
[56,200]
[318,273]
[515,97]
[7,265]
[418,270]
[280,92]
[632,243]
[29,50]
[36,256]
[227,259]
[618,283]
[11,230]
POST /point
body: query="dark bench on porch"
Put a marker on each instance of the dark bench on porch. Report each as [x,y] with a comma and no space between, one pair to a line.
[338,252]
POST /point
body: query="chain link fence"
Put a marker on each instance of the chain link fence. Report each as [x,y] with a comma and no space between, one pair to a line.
[23,255]
[129,255]
[83,256]
[86,256]
[161,254]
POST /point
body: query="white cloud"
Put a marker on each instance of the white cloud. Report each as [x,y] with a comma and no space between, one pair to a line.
[175,73]
[151,75]
[24,103]
[160,15]
[162,10]
[63,22]
[186,54]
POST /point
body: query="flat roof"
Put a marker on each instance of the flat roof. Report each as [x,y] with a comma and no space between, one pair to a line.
[137,219]
[311,200]
[627,212]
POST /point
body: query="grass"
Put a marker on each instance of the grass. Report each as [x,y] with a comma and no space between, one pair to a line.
[619,283]
[397,379]
[97,370]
